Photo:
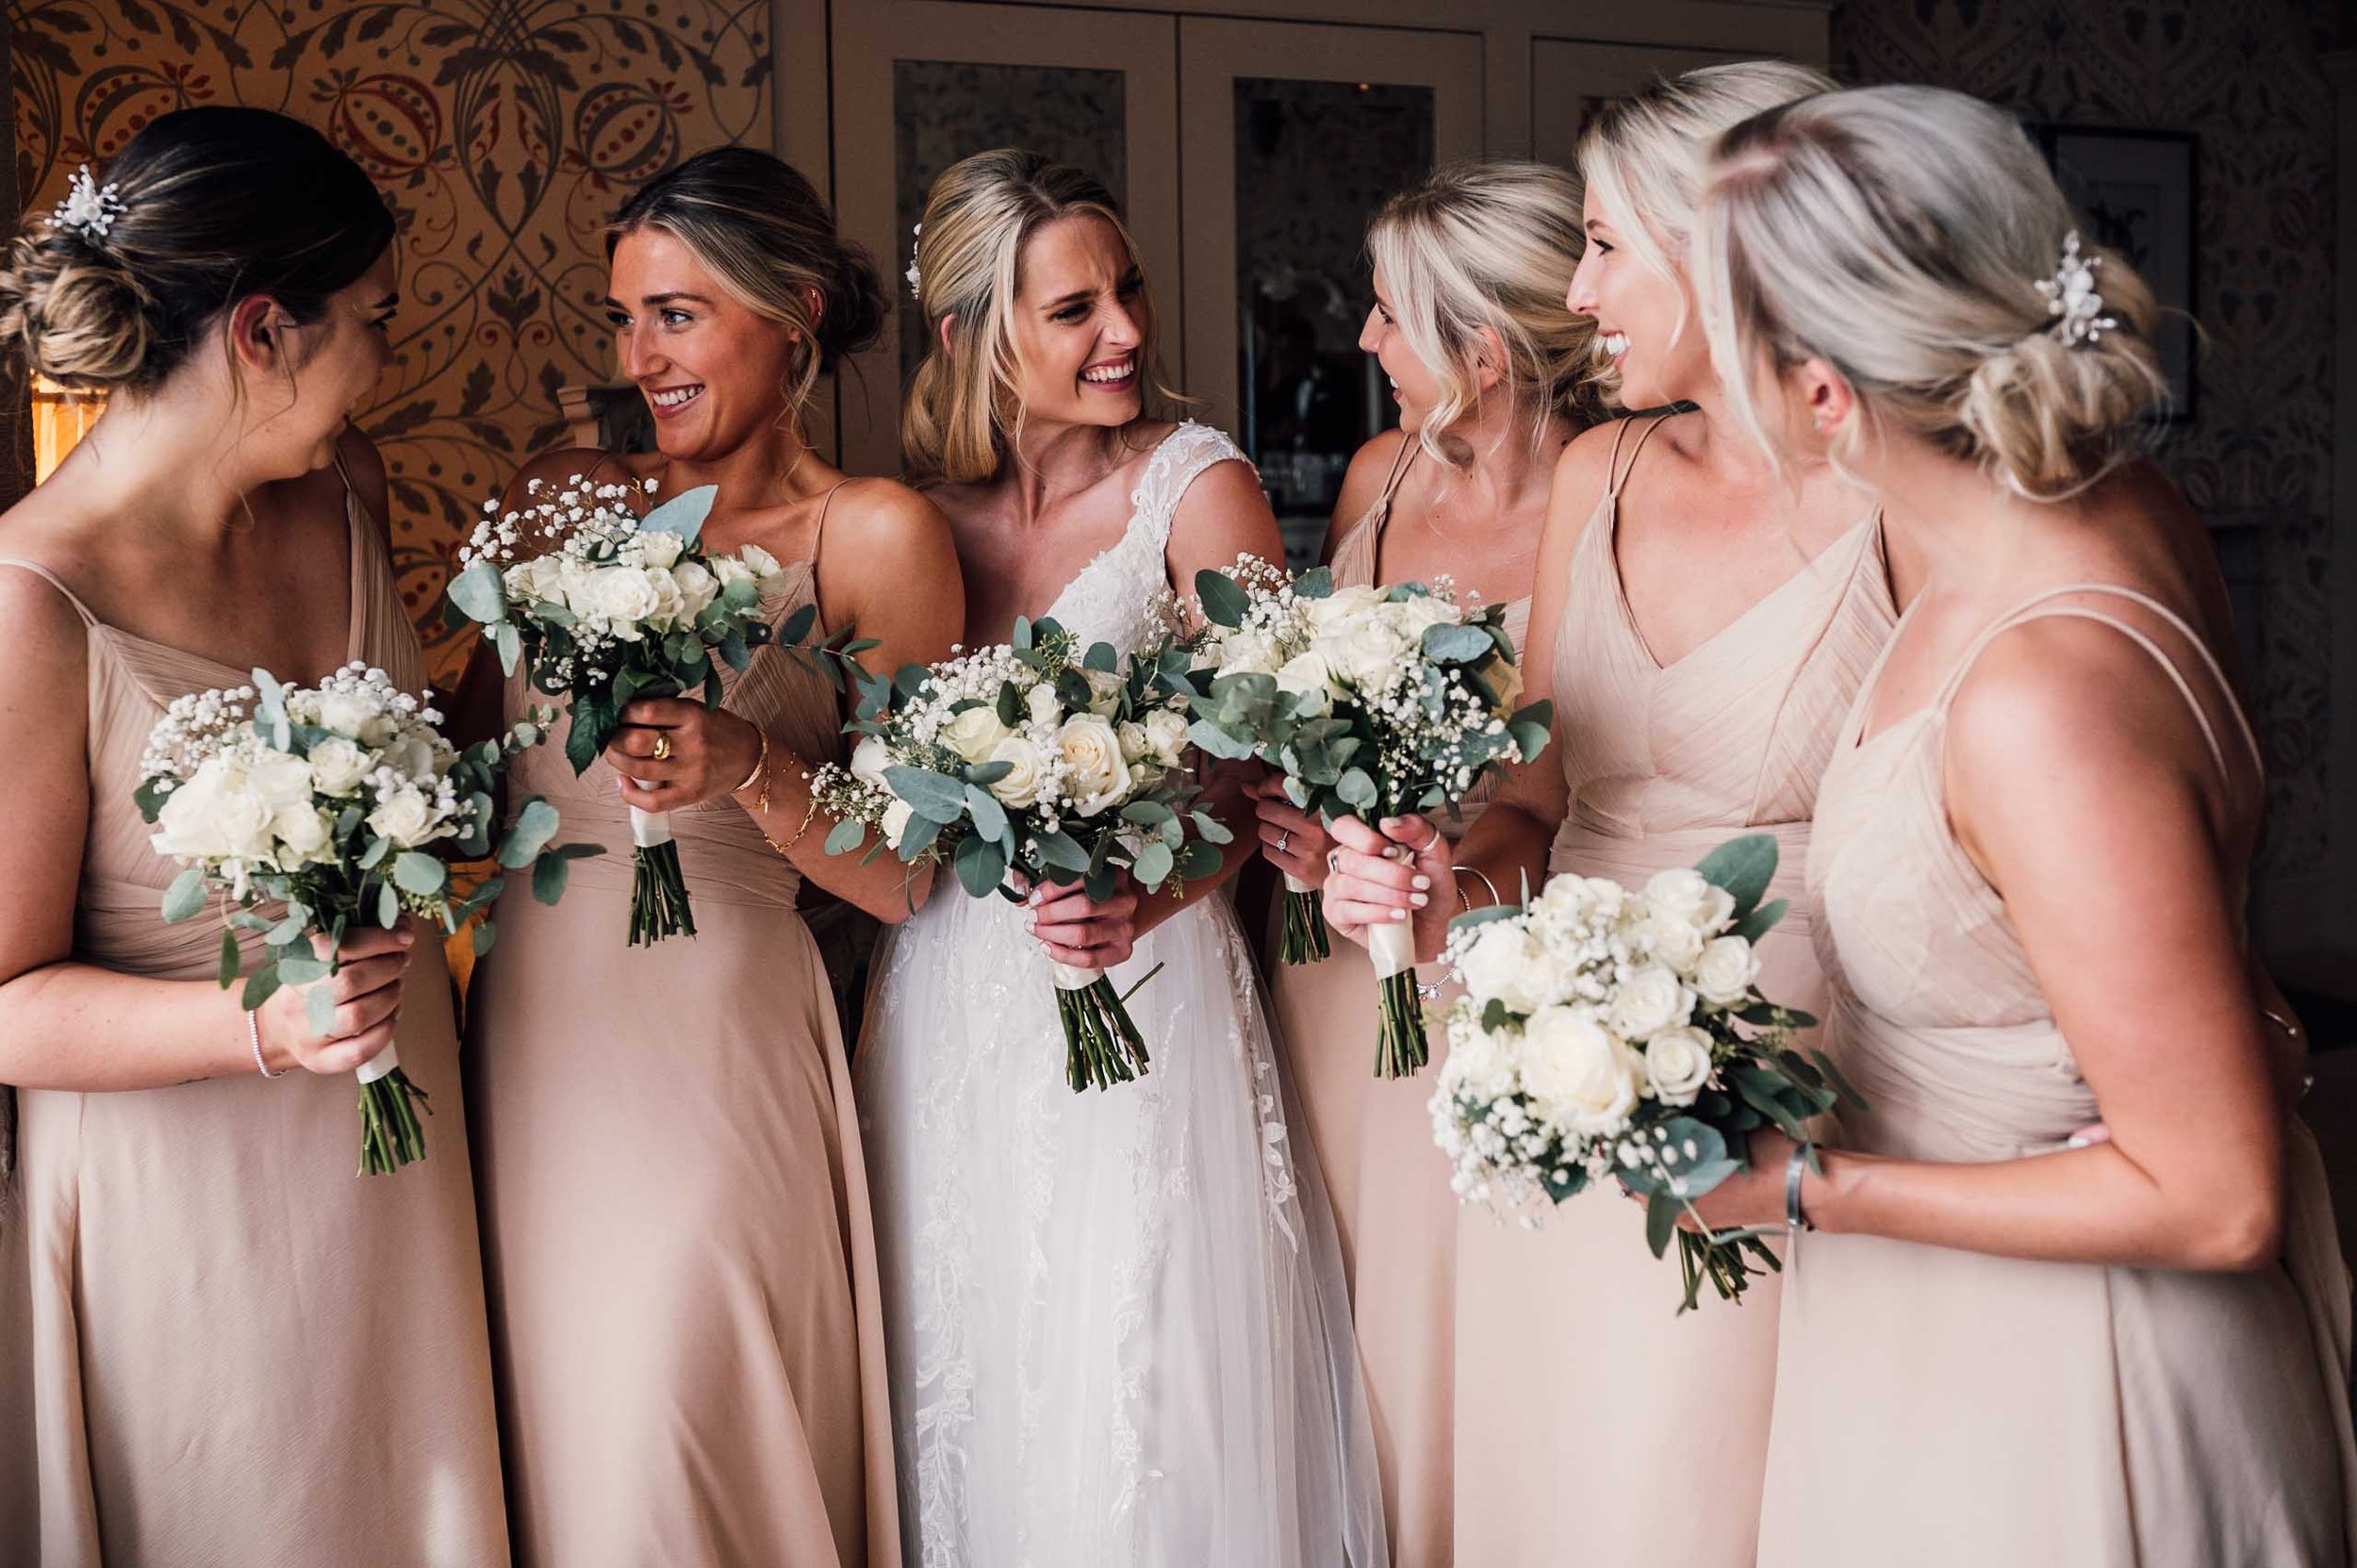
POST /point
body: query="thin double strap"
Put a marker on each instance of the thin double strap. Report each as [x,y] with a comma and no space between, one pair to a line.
[2040,607]
[818,530]
[1615,475]
[88,620]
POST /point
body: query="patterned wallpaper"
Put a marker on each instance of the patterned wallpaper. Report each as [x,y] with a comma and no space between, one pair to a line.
[2245,78]
[504,132]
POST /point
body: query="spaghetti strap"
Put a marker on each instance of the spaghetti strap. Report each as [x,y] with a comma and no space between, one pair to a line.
[2040,607]
[89,618]
[819,531]
[1615,475]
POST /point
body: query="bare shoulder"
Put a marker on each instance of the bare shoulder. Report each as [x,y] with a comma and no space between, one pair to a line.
[1362,483]
[1224,514]
[887,517]
[48,641]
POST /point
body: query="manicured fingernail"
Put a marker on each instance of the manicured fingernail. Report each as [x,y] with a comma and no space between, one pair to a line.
[2077,1140]
[405,938]
[1421,883]
[1418,899]
[1388,823]
[1399,914]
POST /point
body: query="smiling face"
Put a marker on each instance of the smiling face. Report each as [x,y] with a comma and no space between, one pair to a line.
[1646,322]
[330,374]
[1412,381]
[1078,326]
[712,371]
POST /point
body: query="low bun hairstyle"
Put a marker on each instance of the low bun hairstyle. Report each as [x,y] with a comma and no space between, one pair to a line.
[964,404]
[219,205]
[1493,244]
[1830,234]
[757,224]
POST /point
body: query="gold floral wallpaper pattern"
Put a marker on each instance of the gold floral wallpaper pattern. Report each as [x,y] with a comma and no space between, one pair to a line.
[2244,75]
[504,133]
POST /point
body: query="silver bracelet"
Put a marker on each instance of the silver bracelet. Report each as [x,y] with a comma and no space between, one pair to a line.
[1490,886]
[1795,1221]
[253,1034]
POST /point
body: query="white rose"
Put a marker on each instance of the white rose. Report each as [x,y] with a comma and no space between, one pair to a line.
[212,816]
[1104,691]
[1166,733]
[279,779]
[1247,653]
[345,713]
[1673,941]
[1343,604]
[729,571]
[973,732]
[869,759]
[406,816]
[1135,748]
[1308,674]
[1041,703]
[1020,787]
[620,596]
[1582,1078]
[896,822]
[659,549]
[1677,1065]
[1365,651]
[671,610]
[1572,898]
[1417,613]
[1724,973]
[1095,775]
[1648,1001]
[1503,966]
[537,580]
[762,565]
[1478,1064]
[338,766]
[1686,893]
[697,588]
[303,832]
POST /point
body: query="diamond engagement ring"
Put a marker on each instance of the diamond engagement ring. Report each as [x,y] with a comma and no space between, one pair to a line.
[1284,838]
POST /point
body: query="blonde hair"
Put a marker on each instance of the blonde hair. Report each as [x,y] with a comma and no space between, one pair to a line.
[754,222]
[1828,234]
[965,404]
[1643,157]
[1492,246]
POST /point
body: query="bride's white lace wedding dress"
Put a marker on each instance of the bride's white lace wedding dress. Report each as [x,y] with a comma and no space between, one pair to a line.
[1116,1322]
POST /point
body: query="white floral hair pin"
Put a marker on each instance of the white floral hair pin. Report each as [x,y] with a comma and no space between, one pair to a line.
[917,279]
[2071,299]
[89,208]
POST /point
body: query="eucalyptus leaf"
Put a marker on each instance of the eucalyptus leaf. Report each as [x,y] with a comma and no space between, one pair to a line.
[1744,866]
[302,969]
[1225,604]
[934,796]
[231,959]
[481,593]
[320,1009]
[683,514]
[990,817]
[846,835]
[260,986]
[1154,863]
[536,824]
[1661,1221]
[1450,644]
[420,874]
[979,865]
[550,874]
[185,897]
[486,934]
[388,905]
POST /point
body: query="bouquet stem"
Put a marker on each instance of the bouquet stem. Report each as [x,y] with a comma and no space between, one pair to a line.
[1401,1047]
[391,1136]
[658,891]
[1728,1259]
[1305,939]
[1102,1046]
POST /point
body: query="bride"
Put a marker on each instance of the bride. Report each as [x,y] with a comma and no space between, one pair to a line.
[1115,1320]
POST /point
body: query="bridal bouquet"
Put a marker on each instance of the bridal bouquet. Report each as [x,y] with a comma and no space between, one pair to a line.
[1372,703]
[327,802]
[604,607]
[1604,1034]
[1039,758]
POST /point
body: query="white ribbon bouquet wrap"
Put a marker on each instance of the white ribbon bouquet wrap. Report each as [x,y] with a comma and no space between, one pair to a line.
[1036,757]
[1370,702]
[311,812]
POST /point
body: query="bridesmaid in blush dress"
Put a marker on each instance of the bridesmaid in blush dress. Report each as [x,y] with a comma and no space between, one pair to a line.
[1490,366]
[674,1198]
[2032,852]
[238,1351]
[1701,623]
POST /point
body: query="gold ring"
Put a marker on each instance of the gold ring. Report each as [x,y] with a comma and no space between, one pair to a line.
[662,747]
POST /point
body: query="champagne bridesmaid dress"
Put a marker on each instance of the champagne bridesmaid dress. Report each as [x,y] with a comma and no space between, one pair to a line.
[241,1351]
[1985,1410]
[1592,1420]
[674,1203]
[1389,1186]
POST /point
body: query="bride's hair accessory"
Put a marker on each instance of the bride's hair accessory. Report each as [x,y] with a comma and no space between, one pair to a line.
[916,280]
[2071,299]
[89,208]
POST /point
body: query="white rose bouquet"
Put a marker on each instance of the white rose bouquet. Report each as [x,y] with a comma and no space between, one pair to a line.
[1603,1032]
[604,607]
[328,803]
[1371,702]
[1037,757]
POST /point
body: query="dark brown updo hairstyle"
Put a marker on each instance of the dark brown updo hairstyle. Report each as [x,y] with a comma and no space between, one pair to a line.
[218,205]
[758,226]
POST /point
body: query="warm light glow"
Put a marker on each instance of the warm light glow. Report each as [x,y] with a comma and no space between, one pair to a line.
[60,419]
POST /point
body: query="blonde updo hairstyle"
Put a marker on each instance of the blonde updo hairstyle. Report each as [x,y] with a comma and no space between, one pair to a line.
[217,203]
[1644,159]
[965,407]
[1493,245]
[1829,234]
[754,222]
